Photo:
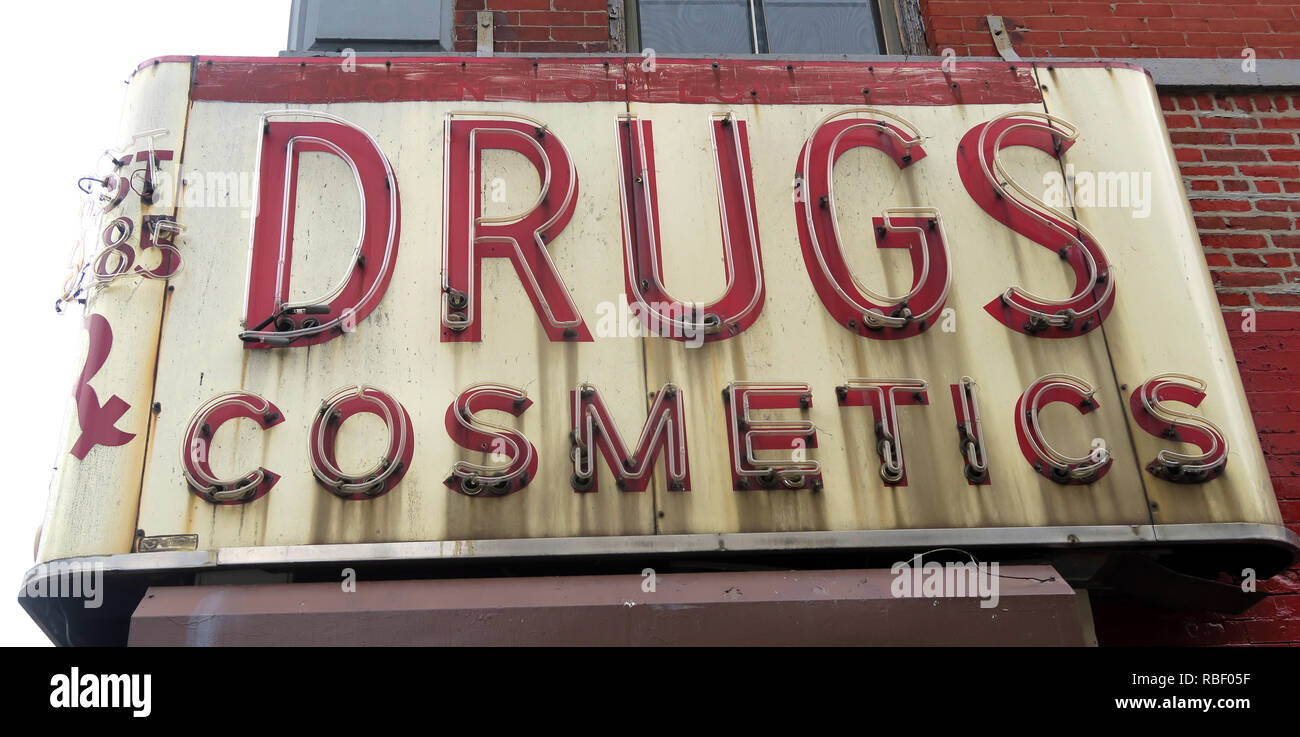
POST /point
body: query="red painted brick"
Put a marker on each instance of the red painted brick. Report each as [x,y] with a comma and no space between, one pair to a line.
[1248,346]
[1274,422]
[1263,11]
[1285,322]
[1278,205]
[1214,39]
[1234,154]
[1246,278]
[1208,137]
[1287,488]
[1259,223]
[1093,38]
[580,34]
[1212,121]
[519,5]
[1281,443]
[1165,39]
[553,18]
[959,7]
[1272,172]
[1178,24]
[578,4]
[1174,52]
[552,47]
[1258,139]
[1255,260]
[521,33]
[1144,10]
[1281,300]
[1207,171]
[1219,205]
[1075,22]
[1233,299]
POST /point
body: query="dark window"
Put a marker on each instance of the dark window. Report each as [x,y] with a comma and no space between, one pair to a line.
[760,26]
[421,26]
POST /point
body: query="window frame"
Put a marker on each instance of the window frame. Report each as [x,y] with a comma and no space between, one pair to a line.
[895,17]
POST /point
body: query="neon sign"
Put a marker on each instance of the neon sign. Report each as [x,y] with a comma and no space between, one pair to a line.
[804,302]
[764,453]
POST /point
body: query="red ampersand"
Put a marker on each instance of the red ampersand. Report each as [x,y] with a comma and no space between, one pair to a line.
[98,422]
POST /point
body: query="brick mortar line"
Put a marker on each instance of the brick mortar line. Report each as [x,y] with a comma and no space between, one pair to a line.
[1238,195]
[1238,116]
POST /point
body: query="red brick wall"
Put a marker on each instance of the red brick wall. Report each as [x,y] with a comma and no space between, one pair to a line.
[536,26]
[1240,160]
[1122,29]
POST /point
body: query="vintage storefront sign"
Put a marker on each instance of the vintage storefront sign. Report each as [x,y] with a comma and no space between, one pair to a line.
[443,300]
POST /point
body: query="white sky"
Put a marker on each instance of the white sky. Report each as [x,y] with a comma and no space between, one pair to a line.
[63,87]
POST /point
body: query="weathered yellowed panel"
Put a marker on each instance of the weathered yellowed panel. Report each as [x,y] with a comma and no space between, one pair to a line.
[397,349]
[93,501]
[1166,318]
[796,338]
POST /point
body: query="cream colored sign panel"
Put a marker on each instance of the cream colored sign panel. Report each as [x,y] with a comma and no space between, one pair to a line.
[677,193]
[1169,323]
[94,500]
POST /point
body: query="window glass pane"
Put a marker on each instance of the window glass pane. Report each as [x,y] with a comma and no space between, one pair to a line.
[696,26]
[822,27]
